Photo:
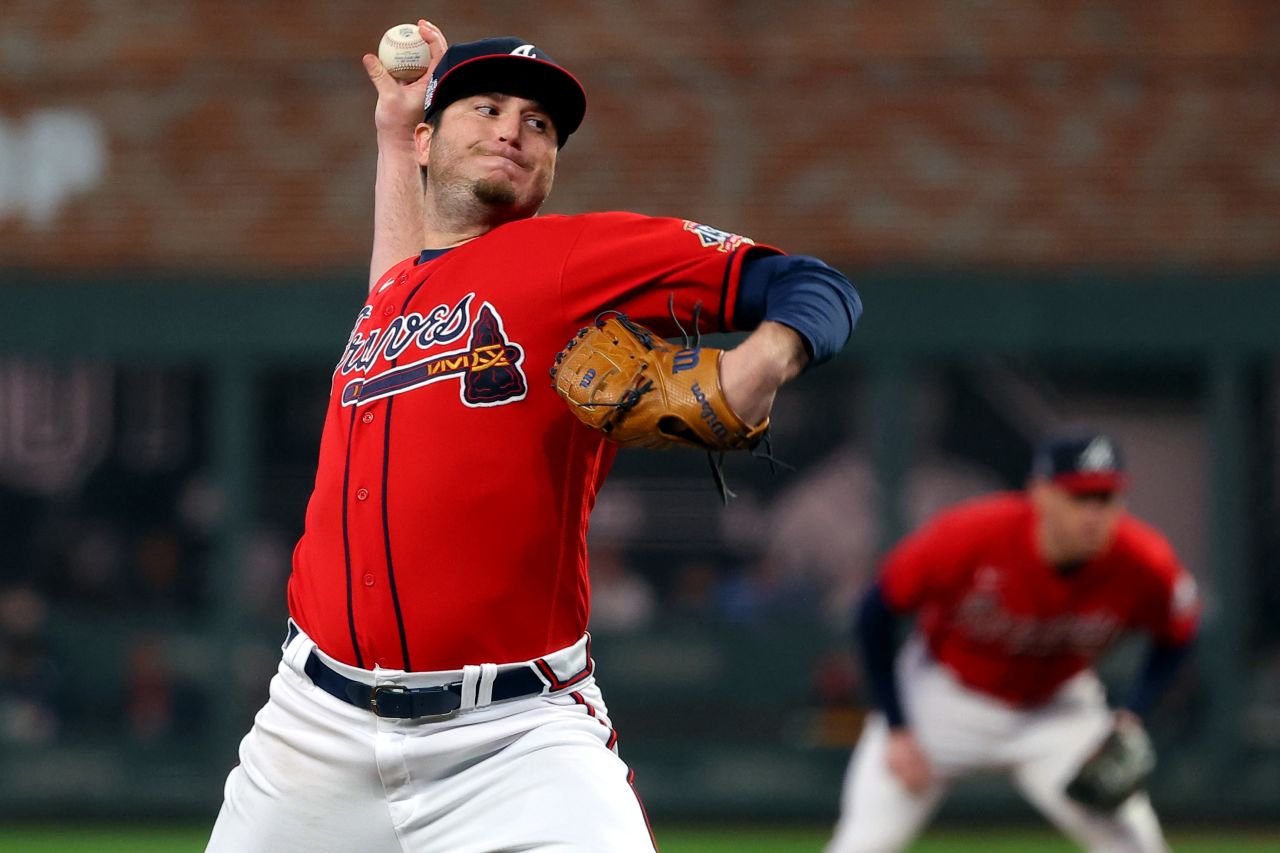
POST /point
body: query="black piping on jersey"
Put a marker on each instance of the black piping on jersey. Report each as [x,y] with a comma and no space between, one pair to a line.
[386,532]
[386,526]
[346,537]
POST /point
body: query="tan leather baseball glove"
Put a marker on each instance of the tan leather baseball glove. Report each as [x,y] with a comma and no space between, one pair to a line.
[640,391]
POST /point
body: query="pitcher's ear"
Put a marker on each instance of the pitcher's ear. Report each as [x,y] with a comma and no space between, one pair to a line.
[422,136]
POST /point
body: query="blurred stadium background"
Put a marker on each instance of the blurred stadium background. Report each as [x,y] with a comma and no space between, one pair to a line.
[1054,211]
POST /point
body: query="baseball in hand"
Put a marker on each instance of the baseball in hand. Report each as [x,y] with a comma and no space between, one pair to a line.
[403,52]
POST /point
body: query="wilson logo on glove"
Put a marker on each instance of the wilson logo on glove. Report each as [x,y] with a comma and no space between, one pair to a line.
[685,359]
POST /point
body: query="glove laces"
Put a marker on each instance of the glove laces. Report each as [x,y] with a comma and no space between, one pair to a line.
[715,459]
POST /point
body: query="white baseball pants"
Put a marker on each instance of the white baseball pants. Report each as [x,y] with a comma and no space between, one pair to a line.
[534,774]
[963,732]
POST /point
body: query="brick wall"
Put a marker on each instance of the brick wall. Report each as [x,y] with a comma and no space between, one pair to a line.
[237,136]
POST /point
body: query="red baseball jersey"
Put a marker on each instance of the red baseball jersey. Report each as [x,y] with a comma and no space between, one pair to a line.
[1011,625]
[449,517]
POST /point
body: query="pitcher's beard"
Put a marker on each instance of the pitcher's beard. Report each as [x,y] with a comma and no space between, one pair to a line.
[494,193]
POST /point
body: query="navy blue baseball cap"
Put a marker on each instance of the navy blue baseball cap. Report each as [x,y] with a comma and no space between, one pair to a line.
[1080,462]
[511,66]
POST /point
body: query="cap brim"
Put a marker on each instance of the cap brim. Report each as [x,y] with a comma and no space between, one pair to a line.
[557,90]
[1091,482]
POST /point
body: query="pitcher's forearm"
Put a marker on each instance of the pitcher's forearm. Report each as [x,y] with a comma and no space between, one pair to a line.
[752,372]
[397,205]
[398,191]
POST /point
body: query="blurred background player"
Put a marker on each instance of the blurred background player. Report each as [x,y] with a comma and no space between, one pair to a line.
[1016,596]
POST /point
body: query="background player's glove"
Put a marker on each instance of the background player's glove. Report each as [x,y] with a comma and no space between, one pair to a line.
[640,391]
[1117,769]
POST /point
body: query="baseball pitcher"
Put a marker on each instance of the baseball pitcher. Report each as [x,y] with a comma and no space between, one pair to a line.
[437,691]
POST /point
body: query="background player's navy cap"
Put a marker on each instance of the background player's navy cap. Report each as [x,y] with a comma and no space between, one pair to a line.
[1080,462]
[511,66]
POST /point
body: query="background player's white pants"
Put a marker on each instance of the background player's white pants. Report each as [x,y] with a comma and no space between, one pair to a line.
[963,732]
[537,774]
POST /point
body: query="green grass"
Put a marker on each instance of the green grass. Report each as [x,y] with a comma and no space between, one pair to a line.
[164,839]
[942,841]
[103,839]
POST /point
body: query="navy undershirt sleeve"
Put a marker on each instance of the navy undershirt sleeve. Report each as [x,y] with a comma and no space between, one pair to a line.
[800,292]
[1162,663]
[876,632]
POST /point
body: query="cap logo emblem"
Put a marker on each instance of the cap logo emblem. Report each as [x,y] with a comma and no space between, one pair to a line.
[1098,456]
[525,50]
[431,91]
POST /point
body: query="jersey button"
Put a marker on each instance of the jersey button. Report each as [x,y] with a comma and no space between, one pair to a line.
[388,311]
[368,580]
[362,494]
[367,417]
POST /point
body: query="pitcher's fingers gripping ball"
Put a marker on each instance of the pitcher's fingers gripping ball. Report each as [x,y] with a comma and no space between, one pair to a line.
[622,379]
[403,52]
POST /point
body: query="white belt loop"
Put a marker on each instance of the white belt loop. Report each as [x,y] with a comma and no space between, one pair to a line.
[291,634]
[488,674]
[470,681]
[295,654]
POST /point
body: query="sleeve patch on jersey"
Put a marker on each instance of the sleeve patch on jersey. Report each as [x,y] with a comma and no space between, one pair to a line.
[714,237]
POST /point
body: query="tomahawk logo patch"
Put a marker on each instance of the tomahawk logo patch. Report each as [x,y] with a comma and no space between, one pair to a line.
[487,368]
[721,240]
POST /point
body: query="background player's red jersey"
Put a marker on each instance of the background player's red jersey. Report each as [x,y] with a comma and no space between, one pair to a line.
[454,487]
[1011,625]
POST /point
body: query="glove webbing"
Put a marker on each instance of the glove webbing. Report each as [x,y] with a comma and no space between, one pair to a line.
[633,395]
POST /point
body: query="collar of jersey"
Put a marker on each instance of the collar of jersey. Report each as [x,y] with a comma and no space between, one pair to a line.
[430,255]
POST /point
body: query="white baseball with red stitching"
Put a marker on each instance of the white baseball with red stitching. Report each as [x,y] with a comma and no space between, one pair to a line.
[403,52]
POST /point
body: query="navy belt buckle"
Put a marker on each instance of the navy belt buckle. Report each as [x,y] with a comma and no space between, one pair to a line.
[385,690]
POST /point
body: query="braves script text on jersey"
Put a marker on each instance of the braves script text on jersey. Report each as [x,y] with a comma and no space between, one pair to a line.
[454,487]
[1009,624]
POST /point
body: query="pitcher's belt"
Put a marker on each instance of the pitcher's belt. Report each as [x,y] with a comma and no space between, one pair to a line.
[393,700]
